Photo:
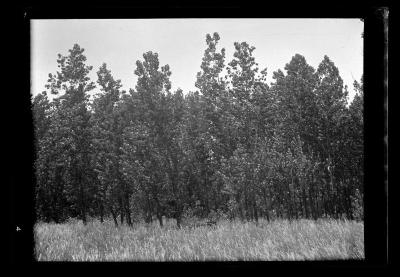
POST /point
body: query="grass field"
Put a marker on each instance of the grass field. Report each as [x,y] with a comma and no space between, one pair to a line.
[228,241]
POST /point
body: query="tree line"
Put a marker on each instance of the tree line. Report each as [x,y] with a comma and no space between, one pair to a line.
[235,148]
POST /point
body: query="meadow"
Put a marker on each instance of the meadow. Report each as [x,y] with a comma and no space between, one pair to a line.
[324,239]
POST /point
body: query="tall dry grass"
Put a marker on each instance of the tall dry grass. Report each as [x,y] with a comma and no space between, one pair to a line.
[228,241]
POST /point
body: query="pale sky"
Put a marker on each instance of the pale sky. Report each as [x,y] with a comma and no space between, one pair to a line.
[181,44]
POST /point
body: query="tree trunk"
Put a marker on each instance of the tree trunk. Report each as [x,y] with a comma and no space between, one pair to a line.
[160,219]
[159,212]
[128,211]
[178,221]
[327,198]
[305,208]
[290,212]
[148,218]
[246,207]
[83,209]
[178,209]
[241,212]
[312,201]
[128,216]
[122,212]
[81,196]
[255,211]
[114,216]
[349,207]
[265,203]
[239,207]
[101,213]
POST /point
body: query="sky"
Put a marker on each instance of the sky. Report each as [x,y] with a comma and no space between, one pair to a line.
[181,44]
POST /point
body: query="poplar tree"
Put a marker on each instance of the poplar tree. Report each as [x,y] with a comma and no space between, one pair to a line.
[67,145]
[107,128]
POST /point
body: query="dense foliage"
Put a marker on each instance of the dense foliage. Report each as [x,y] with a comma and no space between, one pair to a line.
[235,148]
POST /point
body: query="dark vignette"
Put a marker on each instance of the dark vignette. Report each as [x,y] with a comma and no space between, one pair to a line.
[20,152]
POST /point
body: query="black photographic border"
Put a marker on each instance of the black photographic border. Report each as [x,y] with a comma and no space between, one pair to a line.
[19,125]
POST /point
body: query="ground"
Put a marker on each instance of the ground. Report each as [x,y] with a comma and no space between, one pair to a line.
[228,241]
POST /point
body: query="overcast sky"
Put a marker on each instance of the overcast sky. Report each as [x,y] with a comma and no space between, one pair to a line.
[181,44]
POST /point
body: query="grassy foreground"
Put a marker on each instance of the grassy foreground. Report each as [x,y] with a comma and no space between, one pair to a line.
[229,241]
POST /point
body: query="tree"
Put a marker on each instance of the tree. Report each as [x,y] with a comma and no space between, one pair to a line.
[213,138]
[332,100]
[353,154]
[67,143]
[295,93]
[108,125]
[312,105]
[40,110]
[247,90]
[151,150]
[50,155]
[235,147]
